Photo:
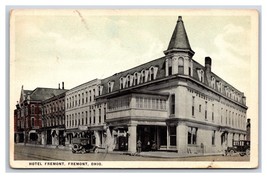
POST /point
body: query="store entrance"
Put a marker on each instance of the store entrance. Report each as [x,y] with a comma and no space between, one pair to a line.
[152,137]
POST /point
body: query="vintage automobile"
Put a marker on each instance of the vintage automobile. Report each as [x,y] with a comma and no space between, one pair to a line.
[82,145]
[241,147]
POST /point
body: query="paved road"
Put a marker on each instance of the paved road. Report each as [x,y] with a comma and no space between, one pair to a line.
[38,153]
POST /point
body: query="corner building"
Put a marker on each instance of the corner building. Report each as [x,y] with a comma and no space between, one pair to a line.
[172,103]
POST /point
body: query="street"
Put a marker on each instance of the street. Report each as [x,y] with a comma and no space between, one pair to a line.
[54,154]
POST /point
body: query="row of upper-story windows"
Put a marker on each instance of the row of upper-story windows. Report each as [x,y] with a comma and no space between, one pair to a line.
[225,89]
[54,106]
[80,98]
[55,121]
[119,103]
[86,118]
[176,66]
[150,103]
[233,118]
[138,77]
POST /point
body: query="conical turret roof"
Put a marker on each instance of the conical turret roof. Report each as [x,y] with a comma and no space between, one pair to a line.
[179,38]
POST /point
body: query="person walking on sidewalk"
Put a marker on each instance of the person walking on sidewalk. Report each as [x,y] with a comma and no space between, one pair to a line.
[139,146]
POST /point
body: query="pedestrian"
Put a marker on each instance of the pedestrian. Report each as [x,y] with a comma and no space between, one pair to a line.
[139,146]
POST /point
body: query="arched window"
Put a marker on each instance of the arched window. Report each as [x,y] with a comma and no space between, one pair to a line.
[128,81]
[143,76]
[135,79]
[181,65]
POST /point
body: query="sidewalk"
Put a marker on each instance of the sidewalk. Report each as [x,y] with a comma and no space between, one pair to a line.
[45,146]
[152,154]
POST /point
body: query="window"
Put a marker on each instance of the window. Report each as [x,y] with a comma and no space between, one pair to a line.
[93,98]
[213,83]
[199,108]
[189,71]
[135,79]
[79,100]
[121,83]
[86,117]
[143,76]
[82,98]
[86,97]
[172,135]
[170,70]
[181,65]
[206,105]
[172,104]
[221,115]
[105,116]
[90,117]
[32,121]
[192,136]
[226,117]
[193,106]
[128,81]
[90,96]
[79,118]
[213,137]
[93,116]
[212,114]
[83,119]
[99,115]
[109,87]
[200,75]
[73,101]
[151,73]
[32,109]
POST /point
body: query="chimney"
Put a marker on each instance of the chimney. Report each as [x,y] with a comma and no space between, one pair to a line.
[59,86]
[208,64]
[62,85]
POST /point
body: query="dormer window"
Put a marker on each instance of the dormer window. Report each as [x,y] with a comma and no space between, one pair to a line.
[213,82]
[143,75]
[121,83]
[151,77]
[135,80]
[219,86]
[100,89]
[110,86]
[128,81]
[200,75]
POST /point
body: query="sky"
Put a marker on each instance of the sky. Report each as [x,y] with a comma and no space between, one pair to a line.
[76,46]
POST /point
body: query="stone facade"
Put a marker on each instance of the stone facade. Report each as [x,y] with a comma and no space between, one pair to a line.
[85,118]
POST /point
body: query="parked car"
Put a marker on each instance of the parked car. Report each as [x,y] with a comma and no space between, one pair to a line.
[241,147]
[82,145]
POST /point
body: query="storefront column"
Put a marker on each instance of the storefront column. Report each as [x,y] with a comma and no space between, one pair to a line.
[97,138]
[132,138]
[181,138]
[168,137]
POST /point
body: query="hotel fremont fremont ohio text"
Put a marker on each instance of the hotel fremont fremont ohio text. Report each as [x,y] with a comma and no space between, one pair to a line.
[150,95]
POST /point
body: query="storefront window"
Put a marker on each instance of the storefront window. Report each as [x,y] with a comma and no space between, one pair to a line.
[192,135]
[172,135]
